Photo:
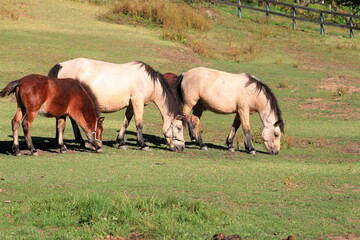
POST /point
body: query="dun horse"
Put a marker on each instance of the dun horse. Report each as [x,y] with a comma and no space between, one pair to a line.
[51,97]
[131,85]
[226,93]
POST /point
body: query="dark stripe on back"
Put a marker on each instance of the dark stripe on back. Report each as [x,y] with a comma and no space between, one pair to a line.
[260,86]
[172,99]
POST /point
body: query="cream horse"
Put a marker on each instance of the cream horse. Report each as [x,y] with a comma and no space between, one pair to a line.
[131,85]
[221,92]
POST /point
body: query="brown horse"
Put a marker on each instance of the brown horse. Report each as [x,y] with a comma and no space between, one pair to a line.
[225,93]
[132,86]
[51,97]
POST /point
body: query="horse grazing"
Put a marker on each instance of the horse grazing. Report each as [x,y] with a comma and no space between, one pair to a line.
[225,93]
[130,85]
[52,97]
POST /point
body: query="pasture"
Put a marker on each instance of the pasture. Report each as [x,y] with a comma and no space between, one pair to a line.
[310,190]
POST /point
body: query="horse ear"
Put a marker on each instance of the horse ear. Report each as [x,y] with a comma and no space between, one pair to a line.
[101,120]
[180,116]
[277,123]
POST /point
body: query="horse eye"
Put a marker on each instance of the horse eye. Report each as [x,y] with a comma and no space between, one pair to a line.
[179,128]
[276,134]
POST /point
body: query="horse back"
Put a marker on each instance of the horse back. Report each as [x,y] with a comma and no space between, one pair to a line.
[50,97]
[218,91]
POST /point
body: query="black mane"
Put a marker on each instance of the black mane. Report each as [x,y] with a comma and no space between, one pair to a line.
[172,99]
[260,86]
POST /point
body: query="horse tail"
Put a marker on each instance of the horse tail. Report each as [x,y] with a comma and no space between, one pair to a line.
[54,71]
[10,88]
[177,87]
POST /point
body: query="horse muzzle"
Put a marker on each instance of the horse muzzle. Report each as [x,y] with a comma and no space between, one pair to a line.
[177,147]
[273,152]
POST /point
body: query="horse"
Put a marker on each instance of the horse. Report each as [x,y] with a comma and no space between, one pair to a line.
[52,97]
[224,93]
[132,86]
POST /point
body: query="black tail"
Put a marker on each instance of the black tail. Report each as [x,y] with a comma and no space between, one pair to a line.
[10,88]
[54,71]
[178,87]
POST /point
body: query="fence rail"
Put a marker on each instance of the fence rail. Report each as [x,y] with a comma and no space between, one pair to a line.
[294,18]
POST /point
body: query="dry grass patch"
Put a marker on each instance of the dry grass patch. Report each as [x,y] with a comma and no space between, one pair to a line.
[169,15]
[8,9]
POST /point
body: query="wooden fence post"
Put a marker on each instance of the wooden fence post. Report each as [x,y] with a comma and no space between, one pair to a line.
[351,30]
[294,20]
[322,30]
[239,8]
[267,8]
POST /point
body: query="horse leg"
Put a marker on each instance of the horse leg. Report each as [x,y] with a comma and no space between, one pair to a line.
[121,136]
[234,128]
[61,121]
[195,122]
[15,123]
[244,118]
[192,133]
[26,124]
[138,107]
[77,134]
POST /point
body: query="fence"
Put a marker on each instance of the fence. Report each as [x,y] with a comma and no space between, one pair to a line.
[294,17]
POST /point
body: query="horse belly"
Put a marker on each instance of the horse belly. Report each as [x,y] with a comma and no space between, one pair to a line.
[112,102]
[219,102]
[51,110]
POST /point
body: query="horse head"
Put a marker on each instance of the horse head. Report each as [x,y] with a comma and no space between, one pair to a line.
[271,135]
[174,134]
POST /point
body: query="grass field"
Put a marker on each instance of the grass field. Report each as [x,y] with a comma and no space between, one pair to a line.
[311,190]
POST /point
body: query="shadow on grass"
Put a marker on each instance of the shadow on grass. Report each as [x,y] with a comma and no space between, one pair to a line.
[48,144]
[42,144]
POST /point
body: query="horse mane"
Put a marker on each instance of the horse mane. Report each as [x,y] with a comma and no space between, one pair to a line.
[172,99]
[92,96]
[54,71]
[260,86]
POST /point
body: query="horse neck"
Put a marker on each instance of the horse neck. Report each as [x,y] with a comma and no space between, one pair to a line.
[162,105]
[89,115]
[267,115]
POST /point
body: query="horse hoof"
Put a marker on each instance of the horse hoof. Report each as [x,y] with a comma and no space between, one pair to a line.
[253,152]
[204,148]
[231,149]
[145,148]
[99,150]
[17,154]
[122,147]
[63,149]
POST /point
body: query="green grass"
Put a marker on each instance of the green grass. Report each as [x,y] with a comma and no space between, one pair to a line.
[310,190]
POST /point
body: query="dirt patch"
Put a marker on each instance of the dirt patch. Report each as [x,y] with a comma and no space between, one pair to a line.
[332,107]
[348,237]
[312,61]
[131,237]
[335,82]
[348,148]
[170,55]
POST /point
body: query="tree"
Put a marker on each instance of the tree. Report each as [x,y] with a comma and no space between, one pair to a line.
[354,5]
